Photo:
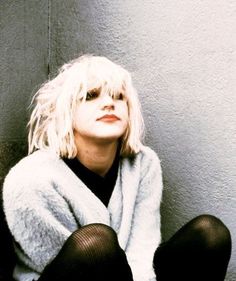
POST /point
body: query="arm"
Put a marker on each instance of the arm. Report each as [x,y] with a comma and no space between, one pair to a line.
[145,234]
[38,218]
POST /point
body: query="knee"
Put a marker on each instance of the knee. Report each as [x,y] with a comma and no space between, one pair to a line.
[95,239]
[213,231]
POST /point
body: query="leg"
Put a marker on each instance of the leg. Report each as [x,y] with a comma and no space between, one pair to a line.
[200,250]
[90,253]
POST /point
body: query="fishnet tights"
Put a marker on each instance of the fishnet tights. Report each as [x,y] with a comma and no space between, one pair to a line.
[199,251]
[90,253]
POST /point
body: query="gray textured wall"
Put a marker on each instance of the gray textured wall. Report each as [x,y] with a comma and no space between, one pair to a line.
[183,58]
[23,65]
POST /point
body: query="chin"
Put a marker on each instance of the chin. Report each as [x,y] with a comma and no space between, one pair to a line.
[109,134]
[109,137]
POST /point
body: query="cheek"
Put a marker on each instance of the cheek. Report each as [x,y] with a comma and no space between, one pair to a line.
[82,113]
[125,115]
[78,118]
[124,110]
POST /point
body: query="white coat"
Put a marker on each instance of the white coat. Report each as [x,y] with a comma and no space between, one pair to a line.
[44,202]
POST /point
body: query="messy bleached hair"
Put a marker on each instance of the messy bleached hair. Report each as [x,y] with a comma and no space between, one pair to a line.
[51,121]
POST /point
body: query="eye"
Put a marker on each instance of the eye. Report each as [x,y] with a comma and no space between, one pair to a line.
[92,95]
[119,96]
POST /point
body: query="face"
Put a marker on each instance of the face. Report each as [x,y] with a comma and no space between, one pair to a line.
[101,117]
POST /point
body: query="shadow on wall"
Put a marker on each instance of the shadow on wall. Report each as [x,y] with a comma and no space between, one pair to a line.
[10,154]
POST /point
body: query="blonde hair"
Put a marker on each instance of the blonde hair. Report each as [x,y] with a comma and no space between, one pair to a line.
[51,121]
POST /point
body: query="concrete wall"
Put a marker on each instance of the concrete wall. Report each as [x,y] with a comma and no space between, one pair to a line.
[23,65]
[183,58]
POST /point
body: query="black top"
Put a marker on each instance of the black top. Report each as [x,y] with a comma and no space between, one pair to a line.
[102,187]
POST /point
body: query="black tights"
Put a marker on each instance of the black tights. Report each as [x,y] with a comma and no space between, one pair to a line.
[90,253]
[199,251]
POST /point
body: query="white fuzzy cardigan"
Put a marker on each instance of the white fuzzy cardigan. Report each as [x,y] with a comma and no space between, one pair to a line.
[44,202]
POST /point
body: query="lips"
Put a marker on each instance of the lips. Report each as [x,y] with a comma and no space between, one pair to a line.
[108,118]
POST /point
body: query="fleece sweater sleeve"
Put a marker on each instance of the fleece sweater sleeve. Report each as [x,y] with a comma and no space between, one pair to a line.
[145,233]
[38,217]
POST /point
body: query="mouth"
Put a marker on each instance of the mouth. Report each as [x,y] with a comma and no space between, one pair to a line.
[108,118]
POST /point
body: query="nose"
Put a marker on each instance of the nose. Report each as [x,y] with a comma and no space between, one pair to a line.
[107,102]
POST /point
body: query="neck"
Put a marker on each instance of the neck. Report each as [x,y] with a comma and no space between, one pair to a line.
[96,156]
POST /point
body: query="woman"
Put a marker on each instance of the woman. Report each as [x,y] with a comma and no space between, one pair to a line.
[85,203]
